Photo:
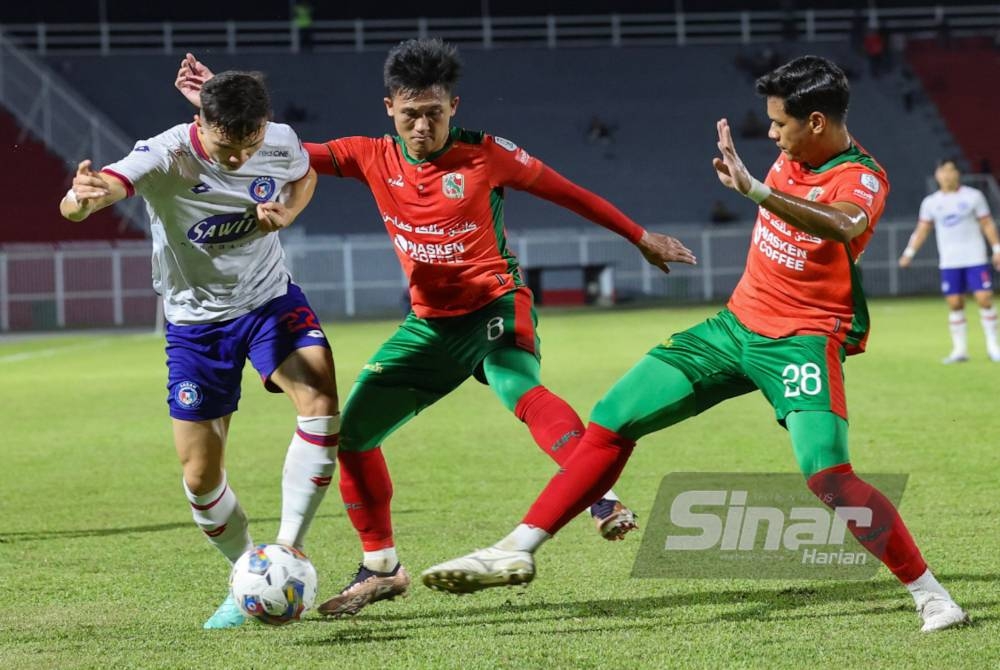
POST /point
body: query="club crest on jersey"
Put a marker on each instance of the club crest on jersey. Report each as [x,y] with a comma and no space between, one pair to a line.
[453,185]
[223,228]
[261,189]
[189,395]
[814,193]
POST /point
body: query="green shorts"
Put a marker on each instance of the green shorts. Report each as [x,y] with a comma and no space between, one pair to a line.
[437,355]
[723,359]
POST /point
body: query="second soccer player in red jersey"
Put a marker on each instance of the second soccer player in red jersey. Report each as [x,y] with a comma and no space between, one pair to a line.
[440,194]
[797,311]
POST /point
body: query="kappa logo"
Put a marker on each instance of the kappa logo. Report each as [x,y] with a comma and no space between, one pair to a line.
[870,182]
[262,188]
[453,185]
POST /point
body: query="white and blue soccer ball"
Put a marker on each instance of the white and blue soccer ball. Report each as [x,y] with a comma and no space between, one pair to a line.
[273,583]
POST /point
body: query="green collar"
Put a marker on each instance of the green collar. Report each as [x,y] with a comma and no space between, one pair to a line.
[851,154]
[452,134]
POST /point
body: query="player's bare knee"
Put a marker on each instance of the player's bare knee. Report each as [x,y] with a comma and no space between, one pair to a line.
[316,401]
[201,477]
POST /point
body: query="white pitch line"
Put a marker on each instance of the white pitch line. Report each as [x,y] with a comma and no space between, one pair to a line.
[53,351]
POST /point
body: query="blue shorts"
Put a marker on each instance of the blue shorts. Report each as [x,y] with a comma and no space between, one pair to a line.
[958,281]
[205,361]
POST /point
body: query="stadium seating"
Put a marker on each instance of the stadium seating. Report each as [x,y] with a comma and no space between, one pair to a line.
[961,79]
[661,104]
[41,180]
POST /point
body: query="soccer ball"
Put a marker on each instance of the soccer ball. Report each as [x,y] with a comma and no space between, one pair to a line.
[273,583]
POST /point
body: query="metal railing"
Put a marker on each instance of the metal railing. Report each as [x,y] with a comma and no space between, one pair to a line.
[47,287]
[616,30]
[67,124]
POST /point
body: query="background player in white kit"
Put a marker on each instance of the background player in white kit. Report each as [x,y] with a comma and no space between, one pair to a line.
[212,194]
[960,217]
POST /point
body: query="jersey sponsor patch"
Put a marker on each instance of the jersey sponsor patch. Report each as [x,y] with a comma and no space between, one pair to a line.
[223,228]
[261,189]
[453,185]
[814,193]
[870,182]
[189,395]
[505,143]
[865,196]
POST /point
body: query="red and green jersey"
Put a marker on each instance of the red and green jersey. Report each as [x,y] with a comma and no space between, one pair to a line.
[796,283]
[444,214]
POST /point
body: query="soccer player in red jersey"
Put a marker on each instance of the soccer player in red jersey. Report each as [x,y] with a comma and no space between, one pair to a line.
[439,191]
[796,312]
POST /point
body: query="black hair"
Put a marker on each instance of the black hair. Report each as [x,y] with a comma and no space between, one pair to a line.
[949,159]
[236,103]
[417,65]
[808,84]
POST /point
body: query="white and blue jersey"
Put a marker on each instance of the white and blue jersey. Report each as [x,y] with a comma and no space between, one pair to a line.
[211,262]
[956,215]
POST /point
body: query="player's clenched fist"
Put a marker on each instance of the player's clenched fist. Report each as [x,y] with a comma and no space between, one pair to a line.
[273,216]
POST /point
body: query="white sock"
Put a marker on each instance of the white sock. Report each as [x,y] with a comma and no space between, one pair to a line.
[524,538]
[220,517]
[924,586]
[309,466]
[957,326]
[381,560]
[611,495]
[988,317]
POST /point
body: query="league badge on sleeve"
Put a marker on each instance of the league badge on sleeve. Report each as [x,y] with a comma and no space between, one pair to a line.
[505,143]
[870,182]
[262,188]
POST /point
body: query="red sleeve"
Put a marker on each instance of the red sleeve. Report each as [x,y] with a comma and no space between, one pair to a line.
[342,157]
[509,164]
[554,187]
[863,187]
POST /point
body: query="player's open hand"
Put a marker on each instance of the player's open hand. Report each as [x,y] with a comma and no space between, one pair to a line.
[88,186]
[662,249]
[273,216]
[730,168]
[191,76]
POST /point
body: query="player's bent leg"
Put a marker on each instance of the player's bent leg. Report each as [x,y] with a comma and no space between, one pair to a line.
[819,440]
[372,412]
[514,375]
[214,505]
[652,395]
[307,377]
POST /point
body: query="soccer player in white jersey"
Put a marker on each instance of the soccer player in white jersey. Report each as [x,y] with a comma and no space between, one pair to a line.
[960,217]
[215,190]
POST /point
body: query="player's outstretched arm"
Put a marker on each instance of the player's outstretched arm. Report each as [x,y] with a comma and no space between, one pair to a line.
[840,221]
[273,216]
[990,231]
[191,76]
[658,249]
[91,192]
[917,239]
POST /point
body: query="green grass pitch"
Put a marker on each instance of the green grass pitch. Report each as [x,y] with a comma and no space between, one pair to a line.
[102,567]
